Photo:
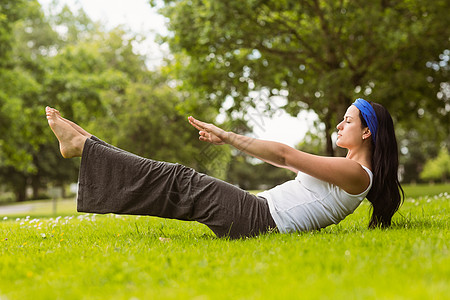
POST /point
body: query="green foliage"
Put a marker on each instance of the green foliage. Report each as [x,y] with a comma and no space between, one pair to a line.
[10,12]
[249,175]
[321,54]
[314,141]
[318,54]
[152,125]
[19,90]
[123,257]
[437,168]
[25,147]
[94,77]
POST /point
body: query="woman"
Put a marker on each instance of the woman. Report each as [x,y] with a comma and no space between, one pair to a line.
[325,191]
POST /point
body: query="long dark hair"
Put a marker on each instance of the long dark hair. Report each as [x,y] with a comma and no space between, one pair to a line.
[386,194]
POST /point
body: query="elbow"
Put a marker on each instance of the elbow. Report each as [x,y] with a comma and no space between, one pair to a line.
[290,158]
[283,155]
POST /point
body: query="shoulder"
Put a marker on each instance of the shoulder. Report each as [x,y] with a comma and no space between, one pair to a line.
[354,177]
[342,172]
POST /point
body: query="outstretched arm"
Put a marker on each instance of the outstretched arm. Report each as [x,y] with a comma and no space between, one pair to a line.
[217,136]
[345,173]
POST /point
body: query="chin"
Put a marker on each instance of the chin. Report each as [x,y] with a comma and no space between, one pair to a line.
[340,145]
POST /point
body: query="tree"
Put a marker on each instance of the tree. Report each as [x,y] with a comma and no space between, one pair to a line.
[43,68]
[10,12]
[93,76]
[18,87]
[319,54]
[249,175]
[28,155]
[437,168]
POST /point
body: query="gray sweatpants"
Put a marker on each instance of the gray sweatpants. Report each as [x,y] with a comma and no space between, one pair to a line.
[112,180]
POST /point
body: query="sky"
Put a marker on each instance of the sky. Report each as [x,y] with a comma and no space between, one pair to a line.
[139,17]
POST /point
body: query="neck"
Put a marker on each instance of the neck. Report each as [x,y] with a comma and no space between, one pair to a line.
[363,156]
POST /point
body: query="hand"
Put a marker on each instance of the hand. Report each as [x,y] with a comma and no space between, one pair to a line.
[208,132]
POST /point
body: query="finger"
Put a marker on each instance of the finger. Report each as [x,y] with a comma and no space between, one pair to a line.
[192,121]
[196,126]
[205,134]
[198,122]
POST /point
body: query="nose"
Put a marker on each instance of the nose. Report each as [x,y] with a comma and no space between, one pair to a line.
[339,126]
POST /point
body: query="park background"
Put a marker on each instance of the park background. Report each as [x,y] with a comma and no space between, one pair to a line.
[235,63]
[244,65]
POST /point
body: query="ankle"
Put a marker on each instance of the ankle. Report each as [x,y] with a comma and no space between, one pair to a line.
[79,144]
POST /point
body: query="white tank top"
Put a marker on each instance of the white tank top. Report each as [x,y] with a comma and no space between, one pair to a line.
[307,203]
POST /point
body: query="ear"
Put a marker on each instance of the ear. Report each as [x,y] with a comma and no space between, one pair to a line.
[366,133]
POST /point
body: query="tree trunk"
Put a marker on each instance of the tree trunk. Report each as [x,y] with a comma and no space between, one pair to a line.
[63,190]
[35,185]
[19,186]
[21,193]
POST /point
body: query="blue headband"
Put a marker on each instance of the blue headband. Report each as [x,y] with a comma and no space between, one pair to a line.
[368,114]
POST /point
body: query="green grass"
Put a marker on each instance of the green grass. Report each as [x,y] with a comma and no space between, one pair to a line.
[418,190]
[41,208]
[125,257]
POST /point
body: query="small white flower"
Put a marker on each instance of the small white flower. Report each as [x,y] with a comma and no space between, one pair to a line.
[5,218]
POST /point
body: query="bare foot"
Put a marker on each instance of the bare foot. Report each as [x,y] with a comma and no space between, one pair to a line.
[71,142]
[74,125]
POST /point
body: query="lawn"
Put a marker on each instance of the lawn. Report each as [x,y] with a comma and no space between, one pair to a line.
[82,256]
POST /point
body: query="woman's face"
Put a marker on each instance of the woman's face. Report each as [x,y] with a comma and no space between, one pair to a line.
[350,131]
